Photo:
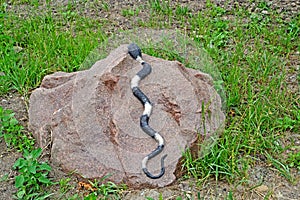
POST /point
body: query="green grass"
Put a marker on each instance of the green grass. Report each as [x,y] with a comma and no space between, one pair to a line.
[13,133]
[251,57]
[42,44]
[130,12]
[252,51]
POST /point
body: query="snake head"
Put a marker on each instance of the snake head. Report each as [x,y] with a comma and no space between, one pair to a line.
[134,51]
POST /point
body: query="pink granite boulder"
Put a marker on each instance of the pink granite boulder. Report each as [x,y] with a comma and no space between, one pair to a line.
[90,118]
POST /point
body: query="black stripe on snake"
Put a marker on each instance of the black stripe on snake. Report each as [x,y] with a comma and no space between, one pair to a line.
[136,53]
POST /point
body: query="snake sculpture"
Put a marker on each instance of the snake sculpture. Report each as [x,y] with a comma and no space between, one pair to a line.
[136,53]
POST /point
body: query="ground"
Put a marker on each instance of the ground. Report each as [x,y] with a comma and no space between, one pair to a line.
[263,181]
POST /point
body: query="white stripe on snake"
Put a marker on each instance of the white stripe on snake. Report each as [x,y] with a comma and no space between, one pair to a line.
[136,53]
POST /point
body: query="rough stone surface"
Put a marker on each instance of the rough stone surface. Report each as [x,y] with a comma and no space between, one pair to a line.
[90,119]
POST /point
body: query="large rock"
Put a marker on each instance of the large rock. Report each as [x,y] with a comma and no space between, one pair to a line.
[90,119]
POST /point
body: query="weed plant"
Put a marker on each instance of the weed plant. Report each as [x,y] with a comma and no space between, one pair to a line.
[108,190]
[33,176]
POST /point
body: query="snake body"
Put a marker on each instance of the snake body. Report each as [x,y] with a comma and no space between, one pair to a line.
[136,53]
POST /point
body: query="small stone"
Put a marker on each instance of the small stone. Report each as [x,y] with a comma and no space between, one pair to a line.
[262,188]
[17,49]
[293,148]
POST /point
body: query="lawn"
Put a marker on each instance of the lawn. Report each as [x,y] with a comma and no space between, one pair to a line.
[256,51]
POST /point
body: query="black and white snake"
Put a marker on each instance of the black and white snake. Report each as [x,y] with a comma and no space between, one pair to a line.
[136,53]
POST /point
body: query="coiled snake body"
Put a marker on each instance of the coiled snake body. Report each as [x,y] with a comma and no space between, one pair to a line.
[135,52]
